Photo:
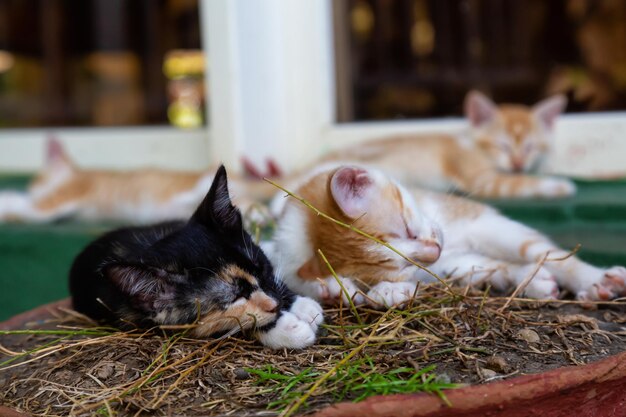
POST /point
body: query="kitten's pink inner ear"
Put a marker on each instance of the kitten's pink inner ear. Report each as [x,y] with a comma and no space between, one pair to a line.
[350,188]
[479,109]
[548,110]
[55,151]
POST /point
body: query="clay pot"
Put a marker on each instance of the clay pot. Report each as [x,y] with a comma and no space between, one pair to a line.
[594,390]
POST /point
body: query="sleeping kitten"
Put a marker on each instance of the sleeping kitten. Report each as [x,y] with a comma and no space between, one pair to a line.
[491,159]
[207,271]
[480,244]
[142,196]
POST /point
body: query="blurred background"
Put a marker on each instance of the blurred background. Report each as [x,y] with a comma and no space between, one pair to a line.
[418,58]
[99,63]
[136,63]
[181,84]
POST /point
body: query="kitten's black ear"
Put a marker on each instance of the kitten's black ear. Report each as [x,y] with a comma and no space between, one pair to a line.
[216,209]
[146,285]
[479,109]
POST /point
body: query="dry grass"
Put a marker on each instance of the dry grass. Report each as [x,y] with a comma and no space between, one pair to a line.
[85,370]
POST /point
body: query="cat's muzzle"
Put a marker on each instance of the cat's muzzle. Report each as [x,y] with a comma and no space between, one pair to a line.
[427,252]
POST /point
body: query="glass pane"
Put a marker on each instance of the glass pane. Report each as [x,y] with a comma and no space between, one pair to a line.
[418,58]
[99,62]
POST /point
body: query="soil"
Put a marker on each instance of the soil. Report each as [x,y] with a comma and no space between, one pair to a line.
[469,339]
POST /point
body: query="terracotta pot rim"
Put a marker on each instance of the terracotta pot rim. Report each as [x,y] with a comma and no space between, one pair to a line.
[522,388]
[34,314]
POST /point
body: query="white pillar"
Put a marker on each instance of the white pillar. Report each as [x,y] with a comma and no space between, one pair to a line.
[270,78]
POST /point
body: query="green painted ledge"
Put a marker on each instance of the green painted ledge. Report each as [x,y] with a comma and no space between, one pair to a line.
[35,259]
[595,218]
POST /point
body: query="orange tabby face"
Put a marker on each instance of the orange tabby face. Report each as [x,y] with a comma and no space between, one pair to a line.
[380,207]
[515,137]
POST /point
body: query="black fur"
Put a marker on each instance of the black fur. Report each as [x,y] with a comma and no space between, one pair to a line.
[131,275]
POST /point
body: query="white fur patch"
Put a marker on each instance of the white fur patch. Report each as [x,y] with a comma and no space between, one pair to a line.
[20,206]
[543,285]
[556,187]
[309,311]
[13,204]
[291,249]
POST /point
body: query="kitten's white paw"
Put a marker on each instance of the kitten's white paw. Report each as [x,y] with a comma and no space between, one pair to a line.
[309,311]
[330,292]
[289,332]
[543,286]
[611,285]
[387,294]
[556,187]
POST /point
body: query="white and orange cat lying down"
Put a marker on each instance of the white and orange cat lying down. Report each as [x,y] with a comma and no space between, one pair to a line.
[459,239]
[490,159]
[142,196]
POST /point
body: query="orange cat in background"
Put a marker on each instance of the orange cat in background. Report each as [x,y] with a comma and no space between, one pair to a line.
[492,159]
[140,196]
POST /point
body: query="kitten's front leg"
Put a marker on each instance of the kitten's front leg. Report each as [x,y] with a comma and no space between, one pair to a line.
[477,270]
[499,185]
[503,238]
[388,294]
[612,284]
[16,206]
[326,290]
[295,328]
[309,311]
[330,291]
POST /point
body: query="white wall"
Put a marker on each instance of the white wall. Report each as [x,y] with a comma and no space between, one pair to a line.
[271,78]
[23,150]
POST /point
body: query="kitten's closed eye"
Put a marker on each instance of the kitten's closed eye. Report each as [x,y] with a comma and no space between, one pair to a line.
[505,146]
[245,288]
[529,146]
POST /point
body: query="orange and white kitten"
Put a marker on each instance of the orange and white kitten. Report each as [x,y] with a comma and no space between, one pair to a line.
[460,239]
[141,196]
[491,159]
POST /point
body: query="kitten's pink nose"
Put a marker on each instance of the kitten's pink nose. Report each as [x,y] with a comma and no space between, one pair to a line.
[264,302]
[429,251]
[271,307]
[517,165]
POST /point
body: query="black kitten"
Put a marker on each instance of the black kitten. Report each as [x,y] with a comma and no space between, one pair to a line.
[207,271]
